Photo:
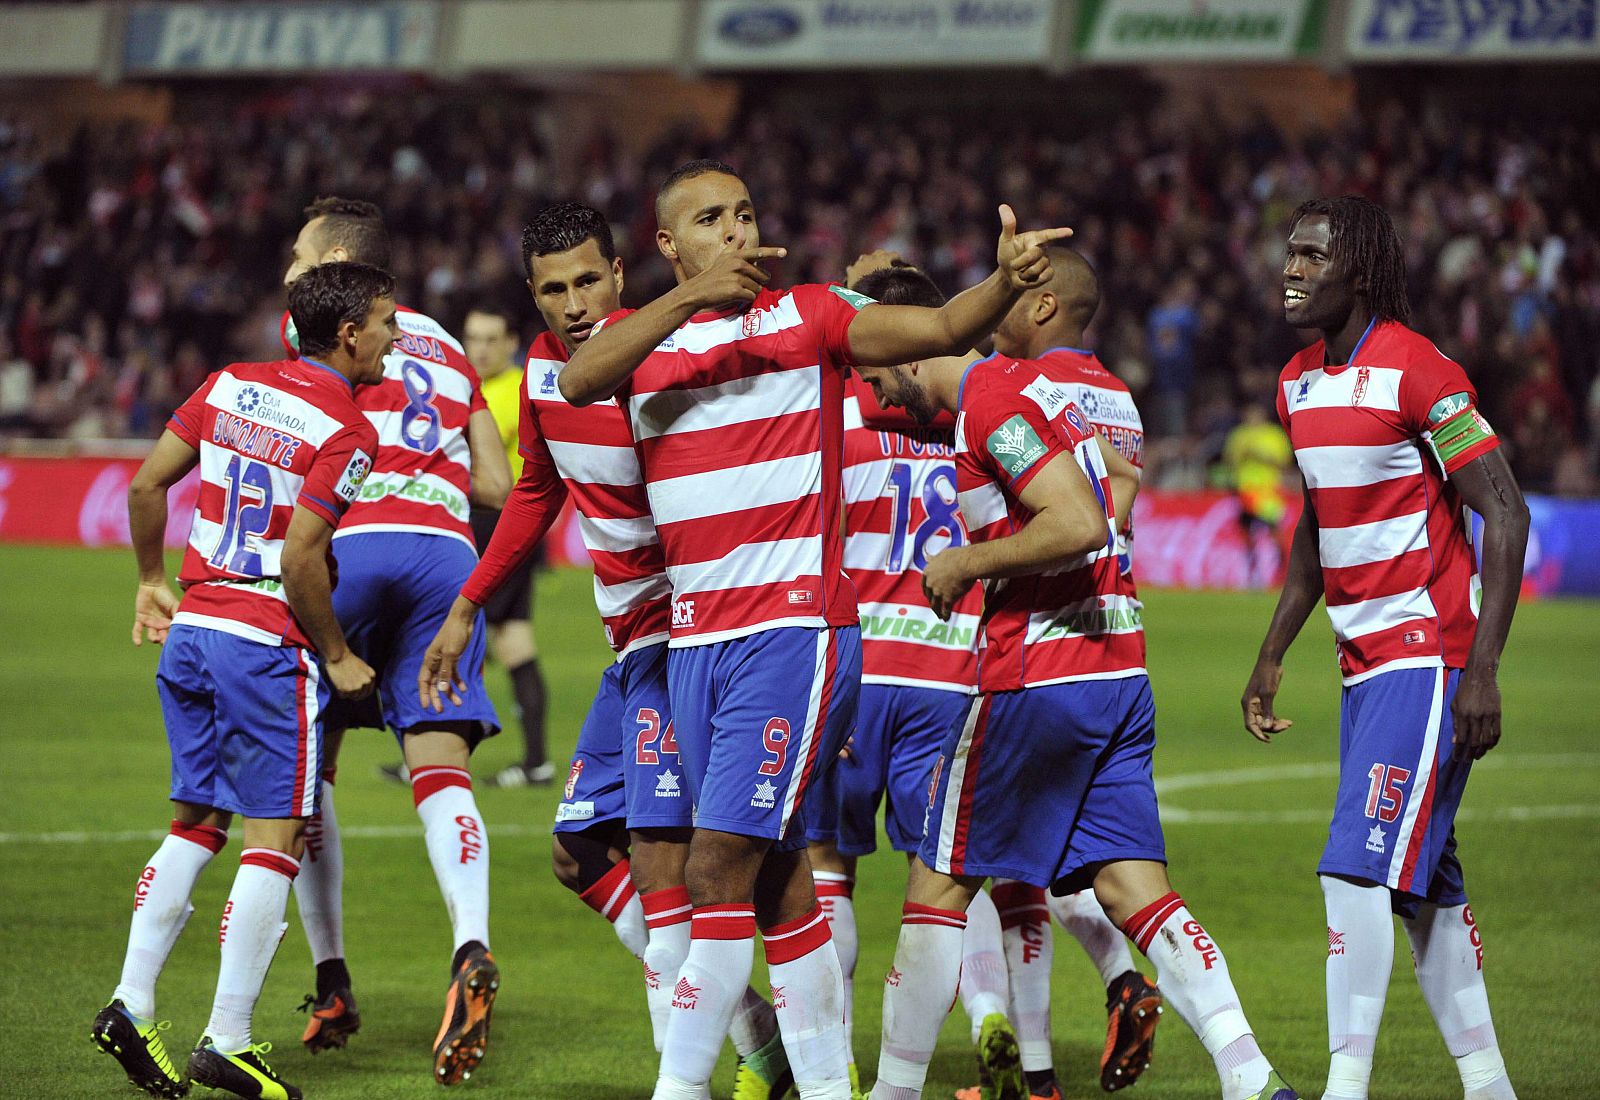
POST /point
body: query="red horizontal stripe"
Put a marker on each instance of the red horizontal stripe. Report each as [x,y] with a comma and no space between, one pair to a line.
[723,922]
[1143,925]
[209,837]
[1356,504]
[712,537]
[1344,427]
[1017,897]
[731,446]
[1355,583]
[769,353]
[664,908]
[610,890]
[601,424]
[827,889]
[287,866]
[912,913]
[654,617]
[737,608]
[427,782]
[795,939]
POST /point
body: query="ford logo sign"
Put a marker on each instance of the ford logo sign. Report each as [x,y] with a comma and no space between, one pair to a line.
[759,26]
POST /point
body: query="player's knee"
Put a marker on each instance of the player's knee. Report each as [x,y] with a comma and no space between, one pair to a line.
[722,868]
[564,865]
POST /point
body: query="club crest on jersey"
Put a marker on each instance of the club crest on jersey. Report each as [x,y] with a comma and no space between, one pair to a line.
[766,796]
[548,384]
[1015,445]
[572,778]
[1363,377]
[750,323]
[667,785]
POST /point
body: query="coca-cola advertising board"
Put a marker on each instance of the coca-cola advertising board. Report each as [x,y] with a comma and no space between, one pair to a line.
[1181,540]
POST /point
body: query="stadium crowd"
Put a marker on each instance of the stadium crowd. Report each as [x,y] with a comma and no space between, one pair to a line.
[137,258]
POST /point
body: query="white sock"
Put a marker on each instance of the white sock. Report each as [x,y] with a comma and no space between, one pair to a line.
[1360,957]
[319,888]
[834,890]
[754,1024]
[984,985]
[666,914]
[458,847]
[252,927]
[614,897]
[1194,979]
[1447,947]
[808,999]
[160,910]
[711,981]
[1085,920]
[1030,951]
[917,995]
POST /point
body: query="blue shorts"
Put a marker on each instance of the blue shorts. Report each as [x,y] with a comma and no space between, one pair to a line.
[244,722]
[760,721]
[1399,788]
[594,791]
[652,772]
[1042,784]
[394,590]
[899,731]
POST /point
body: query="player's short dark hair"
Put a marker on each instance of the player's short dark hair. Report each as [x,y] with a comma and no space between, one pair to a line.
[355,225]
[900,284]
[328,295]
[563,227]
[705,166]
[1361,234]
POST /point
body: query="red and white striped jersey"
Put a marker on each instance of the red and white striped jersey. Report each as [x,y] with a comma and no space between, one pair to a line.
[1081,620]
[422,479]
[270,436]
[901,510]
[739,422]
[1376,440]
[587,453]
[1102,397]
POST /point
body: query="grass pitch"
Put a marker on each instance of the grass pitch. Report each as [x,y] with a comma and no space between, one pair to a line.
[86,762]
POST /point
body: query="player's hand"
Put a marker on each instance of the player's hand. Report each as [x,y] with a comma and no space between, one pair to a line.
[440,676]
[734,278]
[1476,714]
[868,262]
[351,677]
[946,580]
[153,607]
[1021,256]
[848,752]
[1257,702]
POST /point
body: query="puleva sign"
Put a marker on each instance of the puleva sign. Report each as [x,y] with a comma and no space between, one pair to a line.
[284,37]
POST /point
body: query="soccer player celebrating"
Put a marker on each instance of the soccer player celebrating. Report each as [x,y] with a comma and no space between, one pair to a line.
[1047,780]
[734,393]
[250,656]
[1392,447]
[403,551]
[918,678]
[491,341]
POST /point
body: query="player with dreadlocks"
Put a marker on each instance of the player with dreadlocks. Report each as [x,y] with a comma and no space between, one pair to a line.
[1393,448]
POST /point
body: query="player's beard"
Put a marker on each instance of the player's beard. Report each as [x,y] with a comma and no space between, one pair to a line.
[913,397]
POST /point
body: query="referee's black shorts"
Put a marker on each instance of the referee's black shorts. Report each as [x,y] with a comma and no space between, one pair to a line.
[514,601]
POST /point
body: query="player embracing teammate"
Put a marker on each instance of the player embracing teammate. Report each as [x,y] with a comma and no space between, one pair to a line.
[1388,436]
[734,394]
[1048,779]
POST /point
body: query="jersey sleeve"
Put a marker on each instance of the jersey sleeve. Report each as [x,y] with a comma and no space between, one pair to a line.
[185,421]
[532,507]
[1281,403]
[829,308]
[1010,438]
[289,335]
[1440,404]
[337,472]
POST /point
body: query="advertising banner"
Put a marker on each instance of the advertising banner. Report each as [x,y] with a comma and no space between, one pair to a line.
[1216,30]
[280,38]
[1181,540]
[1466,30]
[873,33]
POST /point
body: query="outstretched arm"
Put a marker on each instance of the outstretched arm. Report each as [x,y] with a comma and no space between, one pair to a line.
[1302,588]
[883,336]
[1489,488]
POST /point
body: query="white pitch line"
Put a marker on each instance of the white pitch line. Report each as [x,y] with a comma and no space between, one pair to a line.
[354,832]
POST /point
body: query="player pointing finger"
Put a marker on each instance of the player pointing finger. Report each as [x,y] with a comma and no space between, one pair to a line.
[1022,256]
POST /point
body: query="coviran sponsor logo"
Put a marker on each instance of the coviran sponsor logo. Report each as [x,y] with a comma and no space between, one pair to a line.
[1100,620]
